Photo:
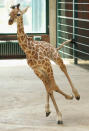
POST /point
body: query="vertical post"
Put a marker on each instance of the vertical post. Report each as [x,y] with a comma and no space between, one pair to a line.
[58,6]
[47,17]
[75,15]
[52,21]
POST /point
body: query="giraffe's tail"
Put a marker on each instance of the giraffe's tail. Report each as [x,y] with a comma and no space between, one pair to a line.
[66,42]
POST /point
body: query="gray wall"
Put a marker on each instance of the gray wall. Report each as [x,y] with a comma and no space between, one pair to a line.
[52,22]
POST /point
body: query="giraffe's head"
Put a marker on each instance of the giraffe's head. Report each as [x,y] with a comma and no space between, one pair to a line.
[16,13]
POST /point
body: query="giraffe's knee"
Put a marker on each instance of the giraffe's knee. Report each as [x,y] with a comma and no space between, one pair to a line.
[50,91]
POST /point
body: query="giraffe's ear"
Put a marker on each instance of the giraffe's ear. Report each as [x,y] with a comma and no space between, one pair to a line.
[12,7]
[25,10]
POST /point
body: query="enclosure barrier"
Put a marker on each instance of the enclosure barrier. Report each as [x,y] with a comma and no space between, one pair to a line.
[10,49]
[73,22]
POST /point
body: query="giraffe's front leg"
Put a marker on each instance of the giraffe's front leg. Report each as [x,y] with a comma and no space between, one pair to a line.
[42,77]
[56,108]
[47,106]
[50,90]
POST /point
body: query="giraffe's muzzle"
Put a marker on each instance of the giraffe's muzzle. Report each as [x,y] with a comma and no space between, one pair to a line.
[10,22]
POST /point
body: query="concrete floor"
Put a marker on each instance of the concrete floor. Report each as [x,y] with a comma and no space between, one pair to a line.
[22,99]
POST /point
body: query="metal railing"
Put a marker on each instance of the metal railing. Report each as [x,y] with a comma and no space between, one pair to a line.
[10,49]
[73,23]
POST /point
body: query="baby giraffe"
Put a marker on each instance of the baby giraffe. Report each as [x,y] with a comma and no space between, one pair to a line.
[39,54]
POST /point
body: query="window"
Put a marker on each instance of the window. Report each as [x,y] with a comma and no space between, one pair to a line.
[34,19]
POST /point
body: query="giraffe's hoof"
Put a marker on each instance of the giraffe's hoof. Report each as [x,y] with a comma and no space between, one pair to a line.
[77,97]
[47,114]
[60,122]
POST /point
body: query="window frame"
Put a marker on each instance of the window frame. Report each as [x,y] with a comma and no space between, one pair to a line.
[13,35]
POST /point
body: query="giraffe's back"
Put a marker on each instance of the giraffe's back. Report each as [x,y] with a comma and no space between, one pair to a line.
[43,49]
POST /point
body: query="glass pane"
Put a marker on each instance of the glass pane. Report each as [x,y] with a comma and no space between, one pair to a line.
[34,19]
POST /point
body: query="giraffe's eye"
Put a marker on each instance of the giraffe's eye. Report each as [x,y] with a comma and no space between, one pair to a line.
[18,14]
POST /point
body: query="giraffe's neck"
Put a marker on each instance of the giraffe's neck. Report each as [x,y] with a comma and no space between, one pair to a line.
[22,37]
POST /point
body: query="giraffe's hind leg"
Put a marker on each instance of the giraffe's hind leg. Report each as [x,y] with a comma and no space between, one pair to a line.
[63,68]
[57,89]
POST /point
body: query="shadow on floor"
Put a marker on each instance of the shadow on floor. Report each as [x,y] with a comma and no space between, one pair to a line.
[85,66]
